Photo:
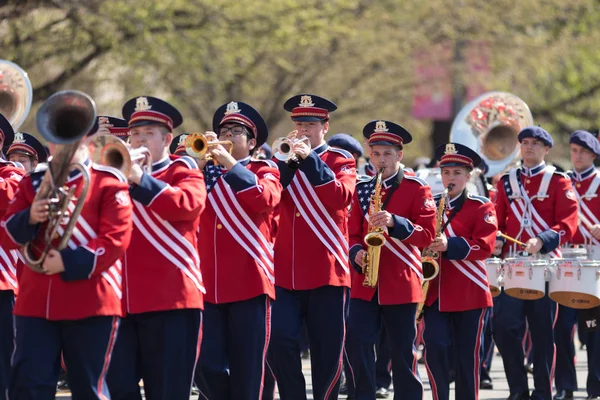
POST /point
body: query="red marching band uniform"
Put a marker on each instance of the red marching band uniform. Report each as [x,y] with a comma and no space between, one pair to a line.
[394,300]
[453,321]
[237,263]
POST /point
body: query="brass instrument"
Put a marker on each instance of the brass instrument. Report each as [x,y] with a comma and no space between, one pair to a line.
[429,262]
[500,234]
[113,152]
[64,119]
[283,147]
[15,93]
[197,146]
[374,239]
[489,125]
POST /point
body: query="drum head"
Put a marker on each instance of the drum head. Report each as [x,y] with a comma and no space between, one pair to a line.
[575,300]
[524,293]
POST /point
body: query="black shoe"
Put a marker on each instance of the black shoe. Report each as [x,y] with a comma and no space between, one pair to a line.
[529,368]
[486,384]
[563,395]
[520,396]
[382,393]
[593,397]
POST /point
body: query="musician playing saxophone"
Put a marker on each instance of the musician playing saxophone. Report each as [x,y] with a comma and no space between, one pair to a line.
[407,222]
[459,299]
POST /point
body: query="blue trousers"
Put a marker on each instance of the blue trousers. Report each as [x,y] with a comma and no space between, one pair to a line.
[364,326]
[592,340]
[269,383]
[7,336]
[323,309]
[488,350]
[564,334]
[235,339]
[460,333]
[86,346]
[160,347]
[510,315]
[383,361]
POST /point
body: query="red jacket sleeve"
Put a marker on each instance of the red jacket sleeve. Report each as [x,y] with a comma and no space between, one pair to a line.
[565,208]
[9,182]
[183,198]
[356,231]
[480,243]
[419,229]
[501,205]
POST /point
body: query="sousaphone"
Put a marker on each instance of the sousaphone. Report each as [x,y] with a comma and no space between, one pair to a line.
[15,93]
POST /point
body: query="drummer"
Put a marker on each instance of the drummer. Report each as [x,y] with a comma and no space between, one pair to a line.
[536,205]
[585,148]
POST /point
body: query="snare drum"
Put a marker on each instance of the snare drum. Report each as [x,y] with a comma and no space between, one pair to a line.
[525,277]
[575,283]
[574,253]
[494,267]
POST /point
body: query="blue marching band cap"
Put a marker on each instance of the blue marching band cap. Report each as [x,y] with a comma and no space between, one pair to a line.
[27,144]
[586,140]
[177,146]
[346,142]
[457,155]
[6,131]
[243,114]
[147,110]
[386,133]
[309,108]
[536,132]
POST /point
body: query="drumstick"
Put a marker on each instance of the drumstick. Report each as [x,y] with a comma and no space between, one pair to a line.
[500,234]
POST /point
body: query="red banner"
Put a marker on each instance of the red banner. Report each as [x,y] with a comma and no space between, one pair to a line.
[432,93]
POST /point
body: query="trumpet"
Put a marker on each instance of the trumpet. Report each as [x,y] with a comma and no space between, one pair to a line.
[197,146]
[113,152]
[283,147]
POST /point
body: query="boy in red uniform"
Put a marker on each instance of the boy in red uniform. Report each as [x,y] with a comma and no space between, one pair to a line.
[74,307]
[159,340]
[237,257]
[459,299]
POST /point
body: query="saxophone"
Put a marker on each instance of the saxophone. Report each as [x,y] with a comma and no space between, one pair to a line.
[429,257]
[374,238]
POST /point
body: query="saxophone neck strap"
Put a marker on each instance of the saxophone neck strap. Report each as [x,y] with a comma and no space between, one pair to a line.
[459,203]
[395,185]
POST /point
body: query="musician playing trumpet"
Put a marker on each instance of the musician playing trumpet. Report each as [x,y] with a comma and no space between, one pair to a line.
[237,257]
[459,299]
[536,205]
[407,223]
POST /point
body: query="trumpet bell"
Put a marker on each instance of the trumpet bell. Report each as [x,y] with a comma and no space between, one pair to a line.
[374,239]
[16,93]
[489,125]
[66,117]
[196,145]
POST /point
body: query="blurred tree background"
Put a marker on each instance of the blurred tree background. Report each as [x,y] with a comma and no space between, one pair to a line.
[361,54]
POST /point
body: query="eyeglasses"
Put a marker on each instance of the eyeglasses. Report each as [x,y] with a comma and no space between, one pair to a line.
[235,130]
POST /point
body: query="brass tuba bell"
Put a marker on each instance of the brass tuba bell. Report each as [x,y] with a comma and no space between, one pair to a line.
[489,125]
[15,93]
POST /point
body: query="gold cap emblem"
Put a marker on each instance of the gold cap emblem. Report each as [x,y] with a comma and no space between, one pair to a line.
[232,108]
[182,140]
[380,127]
[19,138]
[450,149]
[141,104]
[306,101]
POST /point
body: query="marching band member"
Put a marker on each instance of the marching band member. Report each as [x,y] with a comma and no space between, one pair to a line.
[159,339]
[586,180]
[313,275]
[74,307]
[237,257]
[26,150]
[455,323]
[536,205]
[10,175]
[177,146]
[408,219]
